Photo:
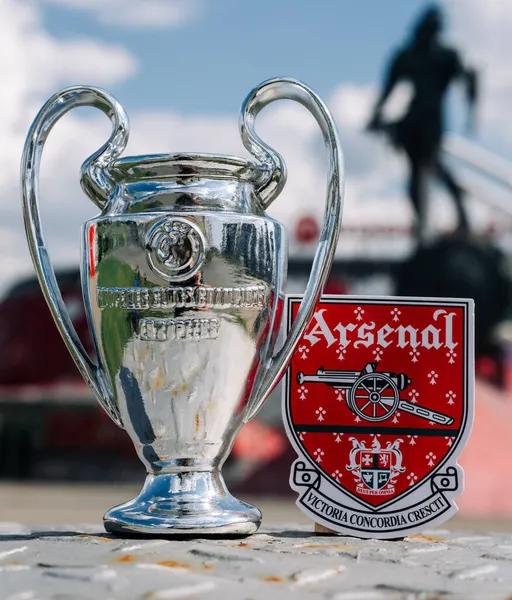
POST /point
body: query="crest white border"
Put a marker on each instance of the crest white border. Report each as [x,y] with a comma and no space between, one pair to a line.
[436,483]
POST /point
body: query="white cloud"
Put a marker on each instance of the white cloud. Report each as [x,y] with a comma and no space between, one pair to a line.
[32,61]
[140,14]
[482,30]
[39,64]
[33,65]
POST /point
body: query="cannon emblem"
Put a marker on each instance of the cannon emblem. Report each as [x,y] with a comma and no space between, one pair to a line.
[373,395]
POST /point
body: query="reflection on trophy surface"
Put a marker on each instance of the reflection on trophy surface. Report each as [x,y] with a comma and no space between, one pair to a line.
[183,277]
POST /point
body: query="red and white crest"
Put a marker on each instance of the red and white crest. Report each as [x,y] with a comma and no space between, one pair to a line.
[378,404]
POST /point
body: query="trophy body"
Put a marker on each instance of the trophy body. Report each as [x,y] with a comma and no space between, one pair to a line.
[182,357]
[183,278]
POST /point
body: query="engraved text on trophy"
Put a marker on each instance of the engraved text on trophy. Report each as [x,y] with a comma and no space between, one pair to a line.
[254,296]
[163,330]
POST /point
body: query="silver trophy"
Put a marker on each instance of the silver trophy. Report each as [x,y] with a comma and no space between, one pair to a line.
[183,278]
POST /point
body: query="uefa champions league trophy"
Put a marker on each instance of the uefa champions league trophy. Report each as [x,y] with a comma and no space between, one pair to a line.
[183,278]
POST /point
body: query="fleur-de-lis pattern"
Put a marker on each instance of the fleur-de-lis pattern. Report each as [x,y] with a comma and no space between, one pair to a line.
[377,353]
[320,412]
[303,351]
[431,457]
[451,397]
[415,354]
[318,453]
[412,478]
[340,395]
[303,390]
[452,355]
[433,376]
[414,395]
[341,352]
[395,313]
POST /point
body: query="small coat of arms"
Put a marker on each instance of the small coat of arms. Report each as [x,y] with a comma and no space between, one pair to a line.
[378,404]
[376,468]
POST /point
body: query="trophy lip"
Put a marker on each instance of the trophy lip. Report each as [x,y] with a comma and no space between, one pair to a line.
[188,166]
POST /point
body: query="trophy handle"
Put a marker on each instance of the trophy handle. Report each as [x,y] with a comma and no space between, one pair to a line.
[52,111]
[285,88]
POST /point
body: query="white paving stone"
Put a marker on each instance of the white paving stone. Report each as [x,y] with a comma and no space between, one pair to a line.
[85,563]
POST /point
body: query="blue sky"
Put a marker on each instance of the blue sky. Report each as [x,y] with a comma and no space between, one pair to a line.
[210,63]
[182,68]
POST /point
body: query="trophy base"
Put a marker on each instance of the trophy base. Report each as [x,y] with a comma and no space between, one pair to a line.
[184,504]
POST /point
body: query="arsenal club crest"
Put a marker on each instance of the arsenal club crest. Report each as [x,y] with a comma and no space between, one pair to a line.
[378,404]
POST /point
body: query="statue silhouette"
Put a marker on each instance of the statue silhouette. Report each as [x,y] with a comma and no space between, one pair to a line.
[430,68]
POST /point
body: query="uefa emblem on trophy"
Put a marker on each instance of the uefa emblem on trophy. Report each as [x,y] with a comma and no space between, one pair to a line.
[183,279]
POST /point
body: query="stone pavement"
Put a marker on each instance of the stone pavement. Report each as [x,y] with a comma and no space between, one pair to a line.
[289,561]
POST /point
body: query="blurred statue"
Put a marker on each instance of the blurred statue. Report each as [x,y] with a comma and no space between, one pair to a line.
[465,267]
[430,68]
